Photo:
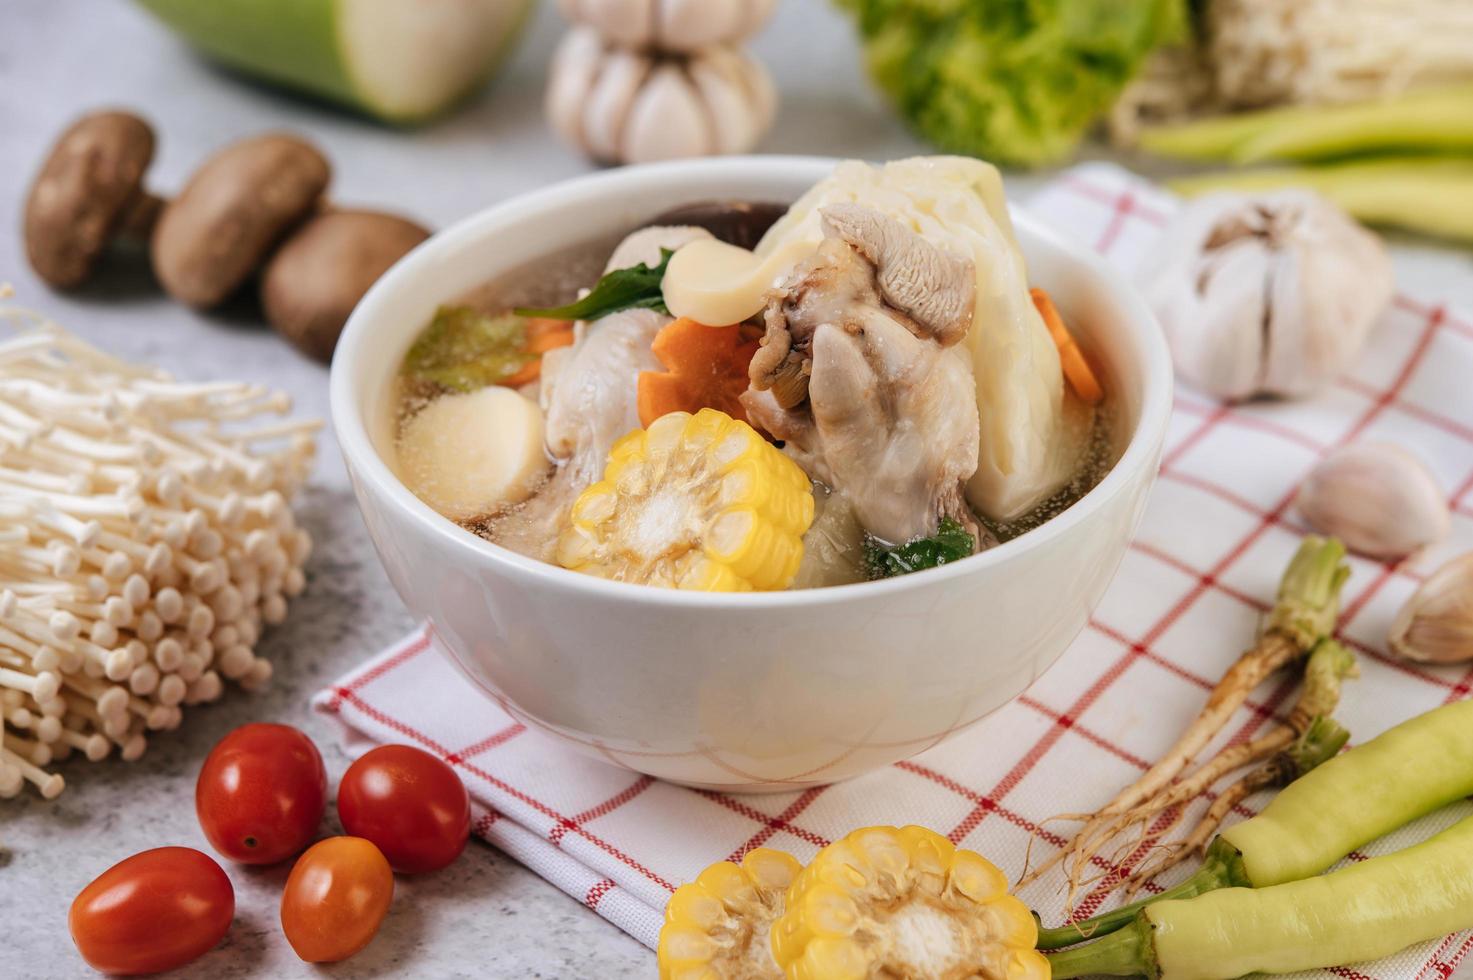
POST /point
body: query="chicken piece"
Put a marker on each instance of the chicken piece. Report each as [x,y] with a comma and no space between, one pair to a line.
[589,397]
[867,396]
[589,390]
[590,394]
[643,247]
[930,290]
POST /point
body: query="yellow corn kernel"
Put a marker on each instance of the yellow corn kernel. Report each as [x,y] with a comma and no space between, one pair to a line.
[718,926]
[693,502]
[904,902]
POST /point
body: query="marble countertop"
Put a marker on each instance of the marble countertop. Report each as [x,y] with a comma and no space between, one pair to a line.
[486,916]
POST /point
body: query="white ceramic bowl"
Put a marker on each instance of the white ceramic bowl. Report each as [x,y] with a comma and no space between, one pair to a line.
[739,692]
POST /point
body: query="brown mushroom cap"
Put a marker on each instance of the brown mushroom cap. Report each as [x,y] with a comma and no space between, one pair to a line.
[739,223]
[232,212]
[316,278]
[83,193]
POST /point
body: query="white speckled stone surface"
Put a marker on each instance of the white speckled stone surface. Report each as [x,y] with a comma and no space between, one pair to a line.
[486,916]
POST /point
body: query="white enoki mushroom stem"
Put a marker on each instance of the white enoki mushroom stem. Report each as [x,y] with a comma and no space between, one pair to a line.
[145,537]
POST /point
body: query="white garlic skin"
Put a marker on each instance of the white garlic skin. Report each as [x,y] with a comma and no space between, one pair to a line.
[1379,499]
[670,25]
[1266,294]
[1436,624]
[626,106]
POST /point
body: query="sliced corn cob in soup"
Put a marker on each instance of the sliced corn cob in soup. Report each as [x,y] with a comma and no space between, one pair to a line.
[872,390]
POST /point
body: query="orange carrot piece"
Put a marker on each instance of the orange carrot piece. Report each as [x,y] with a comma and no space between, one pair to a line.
[1077,372]
[705,367]
[659,394]
[536,326]
[552,340]
[530,372]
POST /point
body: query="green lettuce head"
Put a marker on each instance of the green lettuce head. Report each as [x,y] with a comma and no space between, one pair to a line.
[1014,81]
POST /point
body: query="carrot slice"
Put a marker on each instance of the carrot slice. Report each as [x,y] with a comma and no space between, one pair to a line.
[552,340]
[1077,372]
[530,372]
[705,367]
[660,394]
[536,326]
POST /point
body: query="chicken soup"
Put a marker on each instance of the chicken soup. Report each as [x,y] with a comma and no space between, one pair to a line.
[742,396]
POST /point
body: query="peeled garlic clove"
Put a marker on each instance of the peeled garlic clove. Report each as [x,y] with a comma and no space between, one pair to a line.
[1377,498]
[1266,294]
[1436,624]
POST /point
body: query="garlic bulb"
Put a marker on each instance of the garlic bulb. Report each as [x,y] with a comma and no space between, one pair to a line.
[1436,624]
[1377,498]
[1266,294]
[670,25]
[621,106]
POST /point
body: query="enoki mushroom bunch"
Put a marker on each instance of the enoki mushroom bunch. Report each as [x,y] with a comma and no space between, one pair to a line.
[145,539]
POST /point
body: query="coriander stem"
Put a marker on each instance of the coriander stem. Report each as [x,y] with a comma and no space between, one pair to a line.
[1309,593]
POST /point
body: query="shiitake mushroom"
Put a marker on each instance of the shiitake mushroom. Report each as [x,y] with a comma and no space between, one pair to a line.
[233,211]
[321,272]
[88,193]
[740,223]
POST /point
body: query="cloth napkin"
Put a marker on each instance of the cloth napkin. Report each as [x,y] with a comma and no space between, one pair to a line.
[1190,594]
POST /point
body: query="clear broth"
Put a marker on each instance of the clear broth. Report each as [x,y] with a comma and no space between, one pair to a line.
[555,279]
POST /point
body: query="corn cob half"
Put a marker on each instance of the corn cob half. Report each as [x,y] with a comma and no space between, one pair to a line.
[904,902]
[718,927]
[693,502]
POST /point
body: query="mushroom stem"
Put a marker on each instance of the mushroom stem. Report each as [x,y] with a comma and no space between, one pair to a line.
[140,215]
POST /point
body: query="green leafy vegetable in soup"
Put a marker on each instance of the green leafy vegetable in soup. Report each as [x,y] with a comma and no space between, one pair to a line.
[464,349]
[634,288]
[950,543]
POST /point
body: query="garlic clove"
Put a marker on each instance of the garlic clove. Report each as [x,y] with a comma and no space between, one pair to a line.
[1208,347]
[609,102]
[687,25]
[668,120]
[1436,624]
[737,125]
[574,69]
[1377,498]
[628,23]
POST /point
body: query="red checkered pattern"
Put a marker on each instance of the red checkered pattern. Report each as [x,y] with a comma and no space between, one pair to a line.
[1190,592]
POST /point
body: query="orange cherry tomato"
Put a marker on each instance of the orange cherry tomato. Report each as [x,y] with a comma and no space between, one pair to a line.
[335,898]
[153,911]
[261,793]
[408,802]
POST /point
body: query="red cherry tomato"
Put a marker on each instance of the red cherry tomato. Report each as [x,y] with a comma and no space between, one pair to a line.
[409,803]
[153,911]
[335,898]
[261,793]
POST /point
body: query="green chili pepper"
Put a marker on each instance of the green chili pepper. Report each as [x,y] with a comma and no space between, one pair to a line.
[1404,773]
[1362,912]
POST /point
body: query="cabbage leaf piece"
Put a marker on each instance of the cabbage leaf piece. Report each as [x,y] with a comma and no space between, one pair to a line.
[464,349]
[1013,81]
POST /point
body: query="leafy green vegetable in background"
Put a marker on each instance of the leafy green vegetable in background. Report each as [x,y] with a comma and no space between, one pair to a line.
[1014,81]
[637,287]
[464,349]
[951,542]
